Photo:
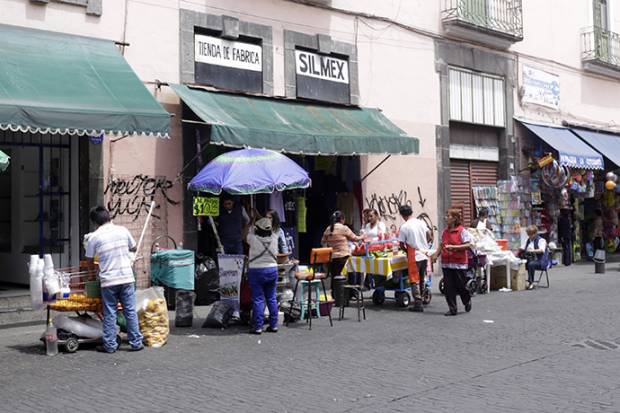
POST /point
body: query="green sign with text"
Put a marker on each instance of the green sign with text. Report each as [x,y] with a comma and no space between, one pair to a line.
[206,207]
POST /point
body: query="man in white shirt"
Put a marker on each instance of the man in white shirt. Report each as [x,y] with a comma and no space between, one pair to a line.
[415,234]
[112,244]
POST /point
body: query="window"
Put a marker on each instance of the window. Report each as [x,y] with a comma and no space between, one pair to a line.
[601,15]
[476,98]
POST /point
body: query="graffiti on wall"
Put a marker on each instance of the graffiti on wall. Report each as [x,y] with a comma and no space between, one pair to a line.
[387,205]
[132,196]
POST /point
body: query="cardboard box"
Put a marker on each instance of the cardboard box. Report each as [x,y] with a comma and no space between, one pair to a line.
[517,278]
[497,277]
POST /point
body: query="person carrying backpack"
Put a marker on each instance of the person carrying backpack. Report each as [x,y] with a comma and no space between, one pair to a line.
[263,275]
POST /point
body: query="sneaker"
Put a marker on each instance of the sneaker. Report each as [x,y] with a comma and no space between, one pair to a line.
[468,307]
[141,347]
[256,332]
[531,286]
[272,330]
[102,349]
[450,313]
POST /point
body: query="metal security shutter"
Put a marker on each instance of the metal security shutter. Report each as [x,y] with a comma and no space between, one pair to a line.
[460,188]
[464,175]
[483,173]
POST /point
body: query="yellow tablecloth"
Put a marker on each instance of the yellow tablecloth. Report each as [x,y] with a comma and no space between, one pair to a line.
[378,266]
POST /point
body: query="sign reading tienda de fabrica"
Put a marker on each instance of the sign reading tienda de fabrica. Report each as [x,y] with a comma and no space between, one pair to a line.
[228,64]
[322,77]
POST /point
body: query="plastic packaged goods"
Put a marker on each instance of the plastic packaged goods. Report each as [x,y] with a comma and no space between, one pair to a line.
[36,283]
[82,326]
[184,315]
[153,316]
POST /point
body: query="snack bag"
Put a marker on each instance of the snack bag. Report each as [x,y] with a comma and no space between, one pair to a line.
[153,316]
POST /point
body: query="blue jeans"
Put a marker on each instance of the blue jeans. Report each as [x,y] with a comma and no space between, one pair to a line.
[233,247]
[263,283]
[532,266]
[126,294]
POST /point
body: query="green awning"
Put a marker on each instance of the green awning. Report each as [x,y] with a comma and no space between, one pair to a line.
[57,83]
[295,127]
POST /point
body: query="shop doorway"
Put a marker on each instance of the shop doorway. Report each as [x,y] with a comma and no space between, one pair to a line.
[38,202]
[335,186]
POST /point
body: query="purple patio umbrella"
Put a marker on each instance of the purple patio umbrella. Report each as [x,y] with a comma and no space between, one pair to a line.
[250,171]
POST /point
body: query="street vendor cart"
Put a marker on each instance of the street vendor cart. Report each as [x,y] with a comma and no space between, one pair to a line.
[387,271]
[83,297]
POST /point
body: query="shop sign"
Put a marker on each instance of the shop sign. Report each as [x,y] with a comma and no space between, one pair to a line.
[228,64]
[206,207]
[322,77]
[96,140]
[541,88]
[231,270]
[583,162]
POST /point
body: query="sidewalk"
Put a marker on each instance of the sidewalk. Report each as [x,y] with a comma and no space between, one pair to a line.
[520,351]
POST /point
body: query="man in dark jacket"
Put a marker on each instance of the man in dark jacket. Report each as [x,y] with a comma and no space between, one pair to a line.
[232,223]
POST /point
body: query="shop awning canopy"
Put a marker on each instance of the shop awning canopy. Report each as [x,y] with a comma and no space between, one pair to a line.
[57,83]
[572,150]
[606,143]
[295,127]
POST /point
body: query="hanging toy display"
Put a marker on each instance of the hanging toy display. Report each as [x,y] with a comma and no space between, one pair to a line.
[610,185]
[589,181]
[555,175]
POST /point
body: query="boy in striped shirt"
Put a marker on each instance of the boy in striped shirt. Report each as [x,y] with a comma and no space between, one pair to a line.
[112,245]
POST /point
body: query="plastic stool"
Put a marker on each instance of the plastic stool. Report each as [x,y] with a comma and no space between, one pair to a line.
[313,285]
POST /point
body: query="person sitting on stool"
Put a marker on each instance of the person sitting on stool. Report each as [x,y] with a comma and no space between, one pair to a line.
[536,252]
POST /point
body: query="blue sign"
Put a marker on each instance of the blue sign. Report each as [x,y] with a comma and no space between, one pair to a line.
[96,140]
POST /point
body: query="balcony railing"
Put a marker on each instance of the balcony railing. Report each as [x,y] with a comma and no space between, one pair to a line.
[501,17]
[601,47]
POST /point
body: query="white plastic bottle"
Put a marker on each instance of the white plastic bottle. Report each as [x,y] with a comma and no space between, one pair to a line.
[51,340]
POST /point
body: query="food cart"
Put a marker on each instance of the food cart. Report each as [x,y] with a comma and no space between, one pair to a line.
[387,270]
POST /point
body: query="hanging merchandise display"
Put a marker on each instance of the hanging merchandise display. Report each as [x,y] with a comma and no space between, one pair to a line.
[555,175]
[485,196]
[514,200]
[610,185]
[301,215]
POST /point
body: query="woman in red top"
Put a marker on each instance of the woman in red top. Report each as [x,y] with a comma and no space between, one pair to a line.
[455,241]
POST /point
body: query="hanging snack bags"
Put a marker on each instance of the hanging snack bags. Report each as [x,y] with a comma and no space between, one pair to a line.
[153,316]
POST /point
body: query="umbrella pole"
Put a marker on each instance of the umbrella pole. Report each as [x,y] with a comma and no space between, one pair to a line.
[220,247]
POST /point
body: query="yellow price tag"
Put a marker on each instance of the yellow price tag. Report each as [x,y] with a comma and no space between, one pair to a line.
[206,207]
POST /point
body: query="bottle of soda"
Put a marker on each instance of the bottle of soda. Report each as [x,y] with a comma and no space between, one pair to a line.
[51,340]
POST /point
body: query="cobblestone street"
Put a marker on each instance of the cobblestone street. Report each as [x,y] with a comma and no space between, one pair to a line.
[545,350]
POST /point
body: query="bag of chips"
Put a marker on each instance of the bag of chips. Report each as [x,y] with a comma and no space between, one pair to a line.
[153,316]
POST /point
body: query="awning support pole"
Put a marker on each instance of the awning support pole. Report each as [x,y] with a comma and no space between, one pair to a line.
[375,168]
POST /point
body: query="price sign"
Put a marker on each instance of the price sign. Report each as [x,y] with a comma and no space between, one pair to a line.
[206,207]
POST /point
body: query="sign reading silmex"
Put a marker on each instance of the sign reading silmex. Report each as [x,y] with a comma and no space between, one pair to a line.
[221,52]
[321,67]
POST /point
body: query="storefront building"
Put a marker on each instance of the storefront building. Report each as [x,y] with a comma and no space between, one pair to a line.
[357,72]
[61,96]
[227,102]
[564,108]
[454,75]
